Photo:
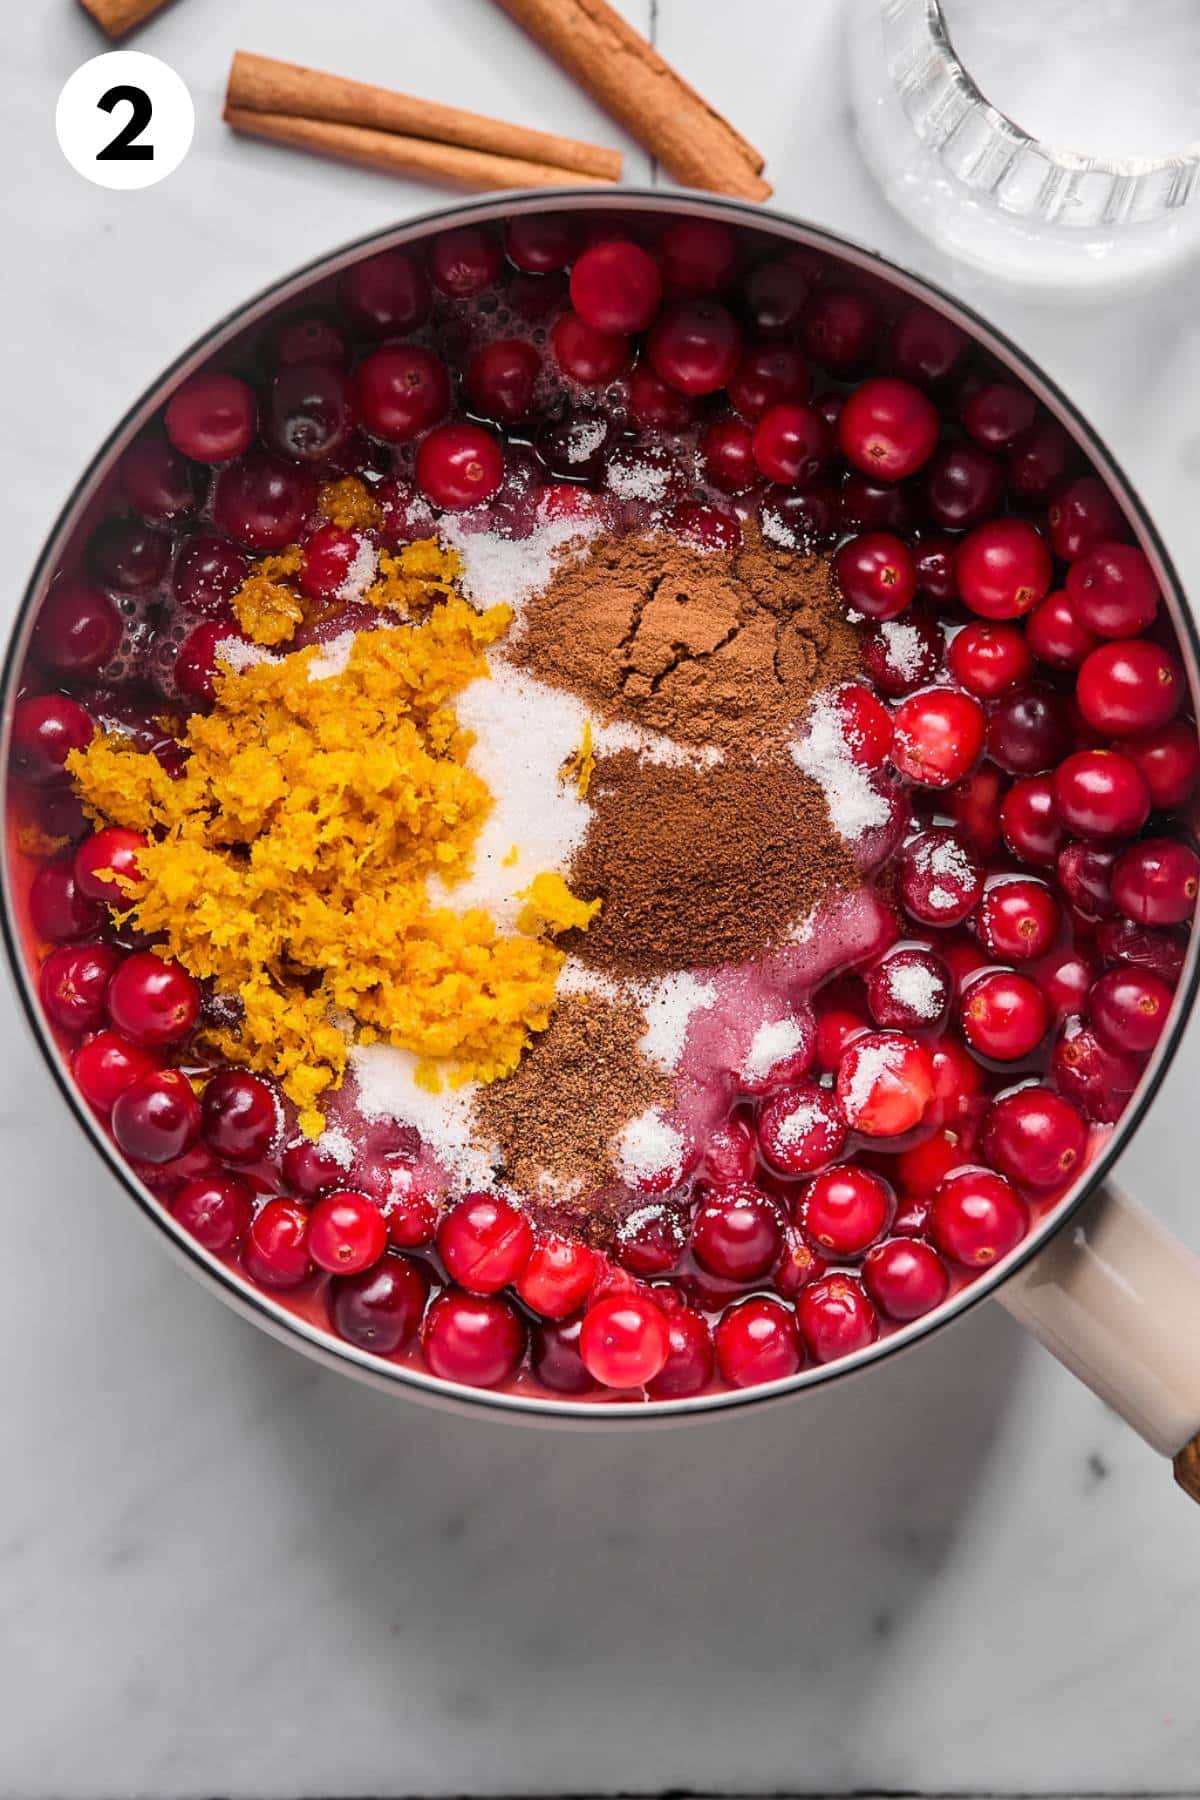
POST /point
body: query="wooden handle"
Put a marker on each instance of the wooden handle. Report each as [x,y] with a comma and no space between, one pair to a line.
[1187,1468]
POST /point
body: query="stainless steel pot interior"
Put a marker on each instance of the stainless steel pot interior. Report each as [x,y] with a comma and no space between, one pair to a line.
[74,519]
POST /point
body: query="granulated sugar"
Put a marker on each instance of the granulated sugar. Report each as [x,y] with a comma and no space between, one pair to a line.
[334,1144]
[669,1006]
[856,805]
[877,1060]
[361,573]
[945,857]
[505,571]
[332,657]
[772,1043]
[796,1124]
[649,1147]
[238,654]
[387,1090]
[917,987]
[906,648]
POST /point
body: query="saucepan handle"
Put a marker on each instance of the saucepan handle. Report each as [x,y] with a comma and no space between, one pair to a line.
[1117,1299]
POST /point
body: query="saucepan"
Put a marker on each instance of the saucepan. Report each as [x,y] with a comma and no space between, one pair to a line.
[1097,1280]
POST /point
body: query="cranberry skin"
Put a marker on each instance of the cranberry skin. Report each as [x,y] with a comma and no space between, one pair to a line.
[758,1340]
[705,528]
[411,1220]
[838,329]
[887,428]
[926,347]
[541,243]
[1128,687]
[655,406]
[976,1218]
[651,1239]
[209,570]
[697,256]
[45,730]
[897,667]
[129,556]
[459,465]
[554,1356]
[557,1278]
[485,1242]
[989,659]
[836,1318]
[346,1233]
[275,1253]
[1100,793]
[72,984]
[1085,877]
[152,1002]
[791,443]
[379,1308]
[1036,1138]
[475,1339]
[1113,590]
[215,1210]
[1003,568]
[1033,831]
[588,356]
[400,391]
[1163,951]
[975,807]
[1028,732]
[933,560]
[727,455]
[798,1264]
[905,1278]
[1039,460]
[196,664]
[212,418]
[737,1233]
[262,500]
[997,414]
[616,287]
[308,412]
[908,990]
[108,854]
[77,631]
[624,1341]
[1128,1008]
[885,1084]
[1082,515]
[387,295]
[156,1118]
[729,1154]
[940,881]
[501,379]
[768,375]
[308,338]
[1004,1016]
[1169,759]
[464,262]
[106,1065]
[695,346]
[159,483]
[876,574]
[773,295]
[1017,920]
[1065,977]
[801,1128]
[875,505]
[1097,1079]
[939,736]
[845,1210]
[1156,882]
[962,486]
[308,1169]
[837,1029]
[866,724]
[329,555]
[689,1365]
[1056,634]
[57,909]
[240,1116]
[922,1168]
[799,521]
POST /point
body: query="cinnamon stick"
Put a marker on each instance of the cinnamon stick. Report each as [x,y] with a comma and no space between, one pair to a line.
[119,16]
[262,85]
[626,75]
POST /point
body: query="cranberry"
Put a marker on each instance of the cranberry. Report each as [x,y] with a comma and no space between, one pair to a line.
[262,500]
[1128,687]
[1085,876]
[1036,1138]
[58,911]
[901,655]
[836,1318]
[689,1365]
[577,447]
[209,570]
[401,390]
[1097,1079]
[308,412]
[554,1356]
[464,262]
[976,1218]
[540,243]
[837,1029]
[933,561]
[1156,882]
[1169,759]
[652,1239]
[1004,1016]
[1029,820]
[459,465]
[876,574]
[158,482]
[799,521]
[768,375]
[379,1308]
[1017,919]
[924,1166]
[346,1232]
[477,1339]
[151,1001]
[905,1279]
[411,1219]
[1003,568]
[1082,515]
[106,1065]
[940,881]
[156,1117]
[845,1209]
[77,631]
[1065,977]
[962,486]
[1028,731]
[866,724]
[909,989]
[885,1084]
[129,556]
[624,1341]
[485,1242]
[215,1209]
[309,1169]
[801,1128]
[588,356]
[240,1116]
[1163,951]
[106,866]
[275,1253]
[868,505]
[1128,1008]
[72,985]
[329,556]
[616,287]
[798,1265]
[695,346]
[925,346]
[839,328]
[737,1233]
[975,807]
[1056,634]
[309,337]
[887,428]
[939,736]
[1101,793]
[212,417]
[729,1154]
[557,1278]
[791,443]
[774,294]
[45,730]
[705,528]
[727,455]
[989,659]
[196,664]
[501,379]
[1039,460]
[1113,590]
[697,256]
[997,413]
[757,1340]
[386,295]
[655,406]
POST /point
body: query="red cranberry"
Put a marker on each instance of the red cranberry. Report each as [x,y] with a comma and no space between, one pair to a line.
[836,1318]
[997,413]
[923,1167]
[501,379]
[557,1278]
[554,1356]
[472,1338]
[209,570]
[837,1029]
[933,561]
[737,1233]
[1120,940]
[1004,1016]
[1039,461]
[905,1278]
[588,356]
[72,985]
[989,659]
[215,1209]
[1130,686]
[962,486]
[1101,793]
[158,482]
[616,287]
[908,989]
[1156,882]
[925,346]
[1065,977]
[887,428]
[655,406]
[939,736]
[869,505]
[1056,634]
[1017,919]
[77,631]
[801,1128]
[729,1154]
[727,455]
[940,881]
[866,724]
[151,1001]
[308,337]
[401,390]
[689,1365]
[106,1065]
[705,528]
[485,1242]
[1082,515]
[379,1308]
[1128,1008]
[976,1218]
[275,1253]
[1003,568]
[975,807]
[839,329]
[845,1209]
[329,556]
[1169,759]
[156,1117]
[768,375]
[1085,876]
[799,521]
[900,655]
[695,346]
[346,1232]
[798,1265]
[540,243]
[757,1340]
[697,256]
[1036,1138]
[876,574]
[58,911]
[309,1169]
[45,730]
[885,1084]
[459,465]
[106,864]
[196,664]
[624,1341]
[464,262]
[1029,820]
[411,1219]
[1097,1079]
[262,500]
[652,1239]
[1113,590]
[212,417]
[240,1116]
[957,1077]
[386,295]
[791,443]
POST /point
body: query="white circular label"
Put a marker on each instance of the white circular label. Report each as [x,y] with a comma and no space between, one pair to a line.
[125,119]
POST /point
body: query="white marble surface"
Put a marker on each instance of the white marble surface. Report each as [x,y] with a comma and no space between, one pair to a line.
[224,1571]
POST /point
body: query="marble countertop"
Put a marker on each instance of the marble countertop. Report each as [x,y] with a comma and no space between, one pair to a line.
[227,1571]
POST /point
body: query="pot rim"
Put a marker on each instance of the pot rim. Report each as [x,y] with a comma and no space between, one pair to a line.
[256,1304]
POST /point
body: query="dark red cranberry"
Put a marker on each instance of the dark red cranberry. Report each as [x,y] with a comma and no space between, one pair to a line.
[501,379]
[773,295]
[624,1341]
[554,1356]
[275,1253]
[1085,877]
[58,911]
[689,1365]
[976,1218]
[72,984]
[1065,977]
[836,1318]
[655,406]
[989,659]
[925,346]
[737,1233]
[308,413]
[939,736]
[485,1242]
[1128,1009]
[616,287]
[997,413]
[240,1116]
[729,1153]
[588,356]
[887,428]
[975,808]
[540,243]
[106,1065]
[465,261]
[379,1309]
[558,1277]
[695,346]
[262,501]
[400,391]
[212,417]
[838,329]
[1114,590]
[576,447]
[129,556]
[905,1278]
[1030,822]
[900,655]
[1169,759]
[940,881]
[799,521]
[1129,687]
[801,1128]
[909,989]
[347,1233]
[697,256]
[1121,940]
[705,528]
[876,574]
[156,1118]
[933,560]
[1156,882]
[962,486]
[1081,515]
[1028,732]
[77,631]
[1097,1079]
[866,504]
[845,1210]
[459,465]
[1101,793]
[1056,634]
[308,337]
[757,1340]
[727,454]
[1039,460]
[386,295]
[476,1339]
[651,1240]
[1003,568]
[215,1210]
[768,375]
[209,570]
[151,1001]
[1004,1016]
[798,1265]
[1036,1138]
[158,482]
[309,1169]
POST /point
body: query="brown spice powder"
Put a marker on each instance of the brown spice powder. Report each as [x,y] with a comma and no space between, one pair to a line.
[707,649]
